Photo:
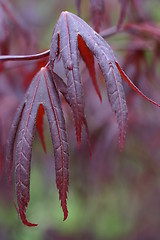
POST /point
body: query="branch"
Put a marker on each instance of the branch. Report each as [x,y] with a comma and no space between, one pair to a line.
[25,57]
[111,31]
[106,33]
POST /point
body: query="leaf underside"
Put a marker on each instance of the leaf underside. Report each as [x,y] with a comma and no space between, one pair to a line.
[131,84]
[42,91]
[74,34]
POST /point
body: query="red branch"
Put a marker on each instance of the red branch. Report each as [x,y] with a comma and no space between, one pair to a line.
[106,33]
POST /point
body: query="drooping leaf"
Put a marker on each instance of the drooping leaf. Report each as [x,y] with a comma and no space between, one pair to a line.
[131,84]
[73,29]
[64,42]
[10,148]
[71,37]
[59,140]
[136,60]
[42,91]
[62,87]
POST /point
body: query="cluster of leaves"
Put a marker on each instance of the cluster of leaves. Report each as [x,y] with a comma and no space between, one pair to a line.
[71,38]
[43,95]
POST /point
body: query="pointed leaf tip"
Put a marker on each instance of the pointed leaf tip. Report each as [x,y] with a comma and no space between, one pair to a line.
[65,212]
[42,92]
[67,48]
[25,222]
[131,84]
[105,57]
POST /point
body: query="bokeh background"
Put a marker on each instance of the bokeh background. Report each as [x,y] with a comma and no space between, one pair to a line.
[116,194]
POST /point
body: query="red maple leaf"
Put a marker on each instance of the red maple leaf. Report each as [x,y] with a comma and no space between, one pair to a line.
[71,34]
[42,92]
[71,38]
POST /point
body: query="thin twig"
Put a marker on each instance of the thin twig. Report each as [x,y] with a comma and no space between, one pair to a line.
[106,33]
[111,31]
[25,57]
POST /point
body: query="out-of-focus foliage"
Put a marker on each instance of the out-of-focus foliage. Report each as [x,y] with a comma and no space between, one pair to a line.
[116,195]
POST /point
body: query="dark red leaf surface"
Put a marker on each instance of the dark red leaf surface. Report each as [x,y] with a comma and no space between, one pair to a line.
[64,42]
[39,124]
[62,87]
[136,89]
[89,42]
[42,91]
[89,60]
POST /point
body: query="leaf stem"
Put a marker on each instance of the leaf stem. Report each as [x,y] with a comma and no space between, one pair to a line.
[111,31]
[25,57]
[106,33]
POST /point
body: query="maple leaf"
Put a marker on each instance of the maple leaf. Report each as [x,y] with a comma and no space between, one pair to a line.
[134,87]
[62,87]
[71,38]
[71,34]
[42,92]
